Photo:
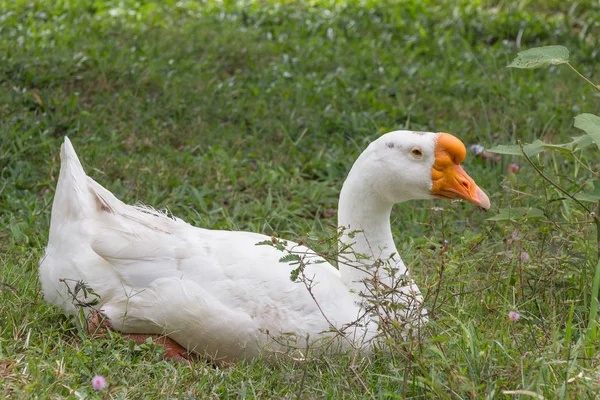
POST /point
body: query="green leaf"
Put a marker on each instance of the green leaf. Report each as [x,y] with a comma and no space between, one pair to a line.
[290,258]
[294,274]
[515,150]
[264,243]
[589,123]
[17,232]
[540,56]
[580,142]
[534,148]
[561,148]
[516,214]
[511,149]
[591,195]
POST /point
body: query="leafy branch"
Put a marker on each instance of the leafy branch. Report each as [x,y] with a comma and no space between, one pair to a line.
[590,125]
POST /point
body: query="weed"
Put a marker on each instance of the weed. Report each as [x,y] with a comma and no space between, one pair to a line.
[247,116]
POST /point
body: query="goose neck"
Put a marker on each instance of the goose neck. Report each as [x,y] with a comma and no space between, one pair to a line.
[365,219]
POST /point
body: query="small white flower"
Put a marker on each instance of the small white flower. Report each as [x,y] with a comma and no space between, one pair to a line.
[477,149]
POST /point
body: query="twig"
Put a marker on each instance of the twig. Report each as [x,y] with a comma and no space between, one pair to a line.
[597,87]
[540,173]
[48,204]
[442,260]
[305,369]
[7,286]
[378,300]
[584,165]
[308,284]
[356,372]
[597,217]
[3,186]
[594,215]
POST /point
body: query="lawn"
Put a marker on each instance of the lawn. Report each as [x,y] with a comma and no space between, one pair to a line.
[247,116]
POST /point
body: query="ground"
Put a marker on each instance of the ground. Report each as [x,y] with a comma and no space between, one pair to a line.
[247,115]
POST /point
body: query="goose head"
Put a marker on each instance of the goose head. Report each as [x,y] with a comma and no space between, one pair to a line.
[407,165]
[397,167]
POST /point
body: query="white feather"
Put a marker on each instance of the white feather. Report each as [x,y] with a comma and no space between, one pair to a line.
[217,292]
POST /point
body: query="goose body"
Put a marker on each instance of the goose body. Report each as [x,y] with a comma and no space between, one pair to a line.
[218,293]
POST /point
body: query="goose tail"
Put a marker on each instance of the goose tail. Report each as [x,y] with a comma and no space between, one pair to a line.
[73,199]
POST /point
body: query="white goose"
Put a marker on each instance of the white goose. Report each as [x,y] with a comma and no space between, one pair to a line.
[217,293]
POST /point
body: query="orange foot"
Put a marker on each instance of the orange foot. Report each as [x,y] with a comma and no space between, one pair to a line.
[98,324]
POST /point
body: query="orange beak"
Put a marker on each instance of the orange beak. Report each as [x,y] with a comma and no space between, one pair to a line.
[450,181]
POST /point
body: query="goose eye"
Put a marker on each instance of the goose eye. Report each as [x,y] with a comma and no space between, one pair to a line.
[417,152]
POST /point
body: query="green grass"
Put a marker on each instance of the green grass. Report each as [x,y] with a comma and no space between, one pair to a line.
[247,116]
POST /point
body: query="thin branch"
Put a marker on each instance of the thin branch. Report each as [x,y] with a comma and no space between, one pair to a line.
[597,217]
[7,286]
[597,87]
[305,370]
[540,173]
[3,186]
[308,284]
[360,380]
[584,165]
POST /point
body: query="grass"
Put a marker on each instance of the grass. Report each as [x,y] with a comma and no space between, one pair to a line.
[247,115]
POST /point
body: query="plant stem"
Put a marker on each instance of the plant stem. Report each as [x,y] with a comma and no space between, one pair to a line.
[592,323]
[597,214]
[597,218]
[597,87]
[584,165]
[551,182]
